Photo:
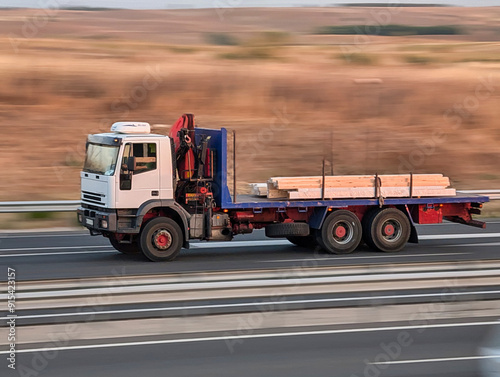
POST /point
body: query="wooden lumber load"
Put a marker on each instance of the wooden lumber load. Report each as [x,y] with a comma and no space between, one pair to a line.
[258,189]
[358,186]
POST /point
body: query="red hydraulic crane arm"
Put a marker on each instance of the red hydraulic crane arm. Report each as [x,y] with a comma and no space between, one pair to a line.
[182,133]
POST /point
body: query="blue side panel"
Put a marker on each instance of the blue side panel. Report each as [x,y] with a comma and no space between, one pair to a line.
[218,144]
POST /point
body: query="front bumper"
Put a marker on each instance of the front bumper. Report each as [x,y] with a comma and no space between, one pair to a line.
[97,221]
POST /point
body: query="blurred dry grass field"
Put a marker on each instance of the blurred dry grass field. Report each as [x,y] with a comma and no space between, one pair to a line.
[293,97]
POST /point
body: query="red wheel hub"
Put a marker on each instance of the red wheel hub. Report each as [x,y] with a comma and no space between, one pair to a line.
[340,231]
[389,230]
[162,239]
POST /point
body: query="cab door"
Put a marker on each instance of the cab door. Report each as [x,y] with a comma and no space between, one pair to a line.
[143,184]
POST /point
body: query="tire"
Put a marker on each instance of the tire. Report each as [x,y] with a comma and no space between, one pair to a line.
[287,230]
[161,239]
[124,248]
[341,233]
[303,241]
[387,230]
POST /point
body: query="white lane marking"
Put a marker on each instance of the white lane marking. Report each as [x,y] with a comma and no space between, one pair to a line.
[196,245]
[334,258]
[213,245]
[472,244]
[252,304]
[252,336]
[458,236]
[216,245]
[22,235]
[206,245]
[437,360]
[58,253]
[54,248]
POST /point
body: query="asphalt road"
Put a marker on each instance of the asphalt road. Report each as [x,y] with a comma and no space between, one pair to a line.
[447,349]
[56,255]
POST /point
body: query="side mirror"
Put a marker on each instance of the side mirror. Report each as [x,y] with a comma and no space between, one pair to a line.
[131,163]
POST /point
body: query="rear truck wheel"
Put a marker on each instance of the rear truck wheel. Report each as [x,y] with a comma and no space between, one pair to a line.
[340,233]
[125,248]
[161,239]
[387,230]
[303,241]
[287,230]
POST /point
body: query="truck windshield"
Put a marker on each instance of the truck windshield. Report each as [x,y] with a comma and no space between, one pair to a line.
[101,159]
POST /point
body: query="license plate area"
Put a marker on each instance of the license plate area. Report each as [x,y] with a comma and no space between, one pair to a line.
[89,222]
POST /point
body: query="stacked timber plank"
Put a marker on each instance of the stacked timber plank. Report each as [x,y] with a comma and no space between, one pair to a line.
[355,186]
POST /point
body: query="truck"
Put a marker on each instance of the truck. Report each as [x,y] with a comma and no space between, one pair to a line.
[151,194]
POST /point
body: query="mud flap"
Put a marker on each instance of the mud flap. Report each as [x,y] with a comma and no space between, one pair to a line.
[413,234]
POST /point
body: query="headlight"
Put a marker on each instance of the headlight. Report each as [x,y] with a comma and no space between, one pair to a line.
[104,224]
[80,218]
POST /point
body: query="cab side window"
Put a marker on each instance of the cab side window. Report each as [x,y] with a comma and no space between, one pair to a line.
[145,156]
[125,175]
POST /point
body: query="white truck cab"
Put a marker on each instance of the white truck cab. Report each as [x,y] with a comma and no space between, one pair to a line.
[127,174]
[109,181]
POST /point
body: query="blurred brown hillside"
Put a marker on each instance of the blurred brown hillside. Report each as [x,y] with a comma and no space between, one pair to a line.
[372,103]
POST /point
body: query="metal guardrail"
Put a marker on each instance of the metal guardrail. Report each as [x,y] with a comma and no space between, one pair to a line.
[480,192]
[48,206]
[72,205]
[492,194]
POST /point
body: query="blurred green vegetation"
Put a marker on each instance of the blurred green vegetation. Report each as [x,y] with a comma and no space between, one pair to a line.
[182,49]
[265,45]
[389,30]
[221,39]
[39,215]
[270,38]
[360,58]
[392,5]
[479,60]
[38,220]
[87,9]
[249,53]
[419,59]
[488,177]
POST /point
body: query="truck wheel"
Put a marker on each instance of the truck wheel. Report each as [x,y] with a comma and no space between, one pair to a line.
[125,248]
[387,230]
[303,241]
[287,230]
[341,232]
[161,239]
